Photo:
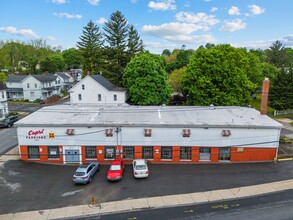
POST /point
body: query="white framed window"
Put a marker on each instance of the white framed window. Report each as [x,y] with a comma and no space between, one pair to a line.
[90,152]
[109,152]
[28,85]
[79,97]
[36,85]
[32,94]
[2,95]
[147,152]
[82,87]
[33,152]
[166,153]
[185,153]
[99,97]
[115,97]
[128,152]
[53,152]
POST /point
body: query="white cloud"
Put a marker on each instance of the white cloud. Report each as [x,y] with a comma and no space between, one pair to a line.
[158,44]
[20,32]
[207,0]
[66,15]
[234,25]
[162,5]
[94,2]
[51,38]
[191,39]
[59,1]
[101,20]
[255,10]
[133,1]
[234,11]
[170,29]
[214,9]
[201,19]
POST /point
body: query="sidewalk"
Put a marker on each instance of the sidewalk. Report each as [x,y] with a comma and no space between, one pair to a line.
[151,202]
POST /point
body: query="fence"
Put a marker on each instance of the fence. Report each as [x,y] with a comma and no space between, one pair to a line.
[283,112]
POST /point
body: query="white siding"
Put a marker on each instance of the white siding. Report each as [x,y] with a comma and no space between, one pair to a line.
[31,81]
[3,104]
[91,91]
[134,136]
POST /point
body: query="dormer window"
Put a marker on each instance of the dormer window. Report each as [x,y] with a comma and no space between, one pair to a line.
[226,133]
[147,132]
[186,132]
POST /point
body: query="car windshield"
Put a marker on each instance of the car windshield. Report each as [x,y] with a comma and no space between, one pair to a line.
[115,167]
[140,167]
[79,173]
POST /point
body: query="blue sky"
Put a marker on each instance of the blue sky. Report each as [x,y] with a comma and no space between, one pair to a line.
[162,24]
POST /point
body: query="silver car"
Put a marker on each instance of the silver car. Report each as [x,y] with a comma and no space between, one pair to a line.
[140,168]
[85,172]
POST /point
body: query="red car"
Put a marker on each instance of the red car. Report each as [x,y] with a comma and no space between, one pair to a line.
[115,171]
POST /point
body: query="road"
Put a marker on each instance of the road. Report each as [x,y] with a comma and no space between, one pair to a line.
[8,139]
[31,186]
[272,206]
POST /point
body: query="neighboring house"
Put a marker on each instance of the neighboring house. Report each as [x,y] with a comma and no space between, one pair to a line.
[96,89]
[3,101]
[66,80]
[33,87]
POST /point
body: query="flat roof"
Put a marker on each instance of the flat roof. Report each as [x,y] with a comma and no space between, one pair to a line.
[147,116]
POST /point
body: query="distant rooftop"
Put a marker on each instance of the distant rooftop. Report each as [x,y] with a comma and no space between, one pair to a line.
[149,116]
[2,86]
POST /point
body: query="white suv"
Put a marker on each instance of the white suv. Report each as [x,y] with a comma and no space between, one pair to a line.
[140,168]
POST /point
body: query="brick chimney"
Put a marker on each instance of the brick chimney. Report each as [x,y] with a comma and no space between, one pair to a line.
[264,96]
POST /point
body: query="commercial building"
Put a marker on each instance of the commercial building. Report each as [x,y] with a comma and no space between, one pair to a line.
[74,133]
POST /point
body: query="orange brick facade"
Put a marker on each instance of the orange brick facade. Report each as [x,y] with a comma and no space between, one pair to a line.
[243,154]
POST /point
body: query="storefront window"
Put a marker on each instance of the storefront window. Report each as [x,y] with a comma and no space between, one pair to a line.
[204,153]
[166,153]
[147,152]
[109,152]
[53,152]
[128,152]
[90,152]
[185,153]
[33,152]
[224,153]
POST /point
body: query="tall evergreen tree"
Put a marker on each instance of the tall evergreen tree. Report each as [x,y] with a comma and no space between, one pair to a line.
[276,55]
[116,33]
[90,47]
[134,42]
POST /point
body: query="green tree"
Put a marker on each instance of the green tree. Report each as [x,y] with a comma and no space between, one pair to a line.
[281,91]
[175,79]
[90,47]
[276,55]
[3,77]
[166,52]
[217,76]
[72,58]
[135,44]
[116,33]
[58,61]
[146,80]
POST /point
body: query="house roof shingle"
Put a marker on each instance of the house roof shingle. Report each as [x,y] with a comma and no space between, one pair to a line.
[15,79]
[45,78]
[106,83]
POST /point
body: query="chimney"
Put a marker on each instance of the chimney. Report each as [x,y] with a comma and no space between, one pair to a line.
[88,72]
[264,96]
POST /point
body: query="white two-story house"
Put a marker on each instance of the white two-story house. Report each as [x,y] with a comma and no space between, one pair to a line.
[96,89]
[33,87]
[3,101]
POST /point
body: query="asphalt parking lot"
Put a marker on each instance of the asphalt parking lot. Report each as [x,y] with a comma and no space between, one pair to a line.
[31,186]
